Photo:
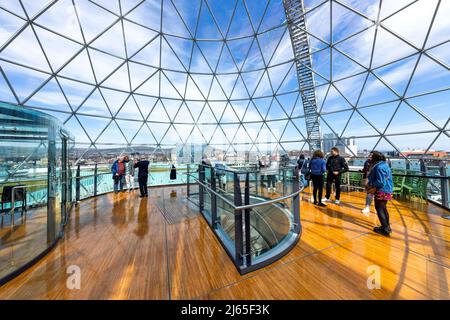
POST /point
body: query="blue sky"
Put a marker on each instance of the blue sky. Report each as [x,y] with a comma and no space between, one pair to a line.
[116,101]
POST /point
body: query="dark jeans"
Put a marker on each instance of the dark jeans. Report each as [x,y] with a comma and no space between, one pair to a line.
[337,184]
[271,179]
[118,183]
[382,213]
[317,181]
[143,185]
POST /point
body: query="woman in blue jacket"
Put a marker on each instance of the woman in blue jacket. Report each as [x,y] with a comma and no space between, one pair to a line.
[317,167]
[381,186]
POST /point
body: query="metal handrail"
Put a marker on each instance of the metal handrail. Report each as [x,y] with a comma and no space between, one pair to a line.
[411,175]
[250,206]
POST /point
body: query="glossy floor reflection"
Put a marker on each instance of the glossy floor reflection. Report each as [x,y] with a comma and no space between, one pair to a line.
[127,249]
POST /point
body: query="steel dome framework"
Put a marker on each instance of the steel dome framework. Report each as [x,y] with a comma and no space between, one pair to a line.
[161,73]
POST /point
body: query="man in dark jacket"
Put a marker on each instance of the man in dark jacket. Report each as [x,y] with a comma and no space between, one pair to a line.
[142,165]
[336,166]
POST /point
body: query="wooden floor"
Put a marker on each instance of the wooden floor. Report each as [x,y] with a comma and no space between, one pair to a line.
[127,249]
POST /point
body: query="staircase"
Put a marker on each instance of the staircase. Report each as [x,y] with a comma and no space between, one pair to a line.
[296,24]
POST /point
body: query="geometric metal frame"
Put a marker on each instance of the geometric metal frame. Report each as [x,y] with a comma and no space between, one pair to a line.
[290,120]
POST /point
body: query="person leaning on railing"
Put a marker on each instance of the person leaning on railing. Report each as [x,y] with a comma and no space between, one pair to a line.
[381,186]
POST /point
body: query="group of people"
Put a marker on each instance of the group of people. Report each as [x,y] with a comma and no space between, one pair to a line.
[377,181]
[123,171]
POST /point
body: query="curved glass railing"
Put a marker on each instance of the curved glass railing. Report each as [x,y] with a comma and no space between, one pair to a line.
[255,214]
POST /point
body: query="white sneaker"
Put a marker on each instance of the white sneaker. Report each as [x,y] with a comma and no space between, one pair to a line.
[337,202]
[366,210]
[325,200]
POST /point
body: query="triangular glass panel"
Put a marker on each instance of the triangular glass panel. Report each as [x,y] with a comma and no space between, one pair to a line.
[281,76]
[25,49]
[344,67]
[51,97]
[144,136]
[150,86]
[429,76]
[373,114]
[145,104]
[291,133]
[336,121]
[256,10]
[158,130]
[242,137]
[397,75]
[148,14]
[433,106]
[61,17]
[375,92]
[119,79]
[159,113]
[52,45]
[226,62]
[169,58]
[240,90]
[148,55]
[171,137]
[407,120]
[240,108]
[217,92]
[263,105]
[192,91]
[351,88]
[188,13]
[441,53]
[358,126]
[423,12]
[110,5]
[320,16]
[79,69]
[219,137]
[207,116]
[196,108]
[130,129]
[172,23]
[442,143]
[269,42]
[136,37]
[139,73]
[114,99]
[346,22]
[420,141]
[207,131]
[10,25]
[335,102]
[359,47]
[93,125]
[111,135]
[24,81]
[251,80]
[240,49]
[95,106]
[104,64]
[389,48]
[111,41]
[183,115]
[229,115]
[75,128]
[94,20]
[252,113]
[274,15]
[203,81]
[276,111]
[439,33]
[167,89]
[6,93]
[207,28]
[76,92]
[288,101]
[130,111]
[254,59]
[264,88]
[284,52]
[32,7]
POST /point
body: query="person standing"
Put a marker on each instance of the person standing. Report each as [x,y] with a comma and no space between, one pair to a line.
[142,165]
[336,166]
[317,167]
[380,184]
[129,173]
[118,172]
[365,172]
[302,165]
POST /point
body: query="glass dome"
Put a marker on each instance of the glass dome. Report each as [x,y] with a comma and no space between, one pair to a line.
[160,74]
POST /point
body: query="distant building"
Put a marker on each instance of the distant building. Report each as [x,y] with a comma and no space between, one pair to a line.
[329,141]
